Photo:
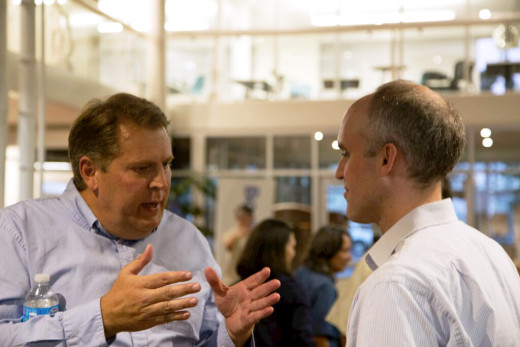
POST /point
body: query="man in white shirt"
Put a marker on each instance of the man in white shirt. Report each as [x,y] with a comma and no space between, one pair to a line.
[436,280]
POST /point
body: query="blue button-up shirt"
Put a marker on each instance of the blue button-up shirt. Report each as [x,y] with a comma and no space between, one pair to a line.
[62,237]
[437,282]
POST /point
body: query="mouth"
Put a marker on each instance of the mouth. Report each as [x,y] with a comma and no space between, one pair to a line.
[152,206]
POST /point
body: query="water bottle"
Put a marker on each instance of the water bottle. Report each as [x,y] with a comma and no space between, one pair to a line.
[41,299]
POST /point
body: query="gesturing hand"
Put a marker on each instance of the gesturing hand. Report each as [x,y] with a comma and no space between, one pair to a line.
[245,303]
[140,302]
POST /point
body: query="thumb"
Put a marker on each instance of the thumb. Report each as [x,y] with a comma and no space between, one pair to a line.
[135,266]
[214,281]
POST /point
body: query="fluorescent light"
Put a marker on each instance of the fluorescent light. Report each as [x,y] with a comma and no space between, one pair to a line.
[487,142]
[484,14]
[109,27]
[427,16]
[84,20]
[378,18]
[318,136]
[485,132]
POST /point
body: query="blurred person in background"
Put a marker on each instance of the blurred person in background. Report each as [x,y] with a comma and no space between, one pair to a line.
[329,254]
[234,242]
[272,243]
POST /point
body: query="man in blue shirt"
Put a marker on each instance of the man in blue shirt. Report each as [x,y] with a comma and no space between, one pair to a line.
[128,272]
[436,280]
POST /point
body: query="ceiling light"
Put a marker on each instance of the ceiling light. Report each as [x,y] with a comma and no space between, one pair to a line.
[318,136]
[485,132]
[335,145]
[484,14]
[487,142]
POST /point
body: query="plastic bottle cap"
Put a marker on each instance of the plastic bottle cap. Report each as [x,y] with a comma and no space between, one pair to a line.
[42,278]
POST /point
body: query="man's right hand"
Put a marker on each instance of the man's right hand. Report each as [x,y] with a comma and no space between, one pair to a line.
[136,302]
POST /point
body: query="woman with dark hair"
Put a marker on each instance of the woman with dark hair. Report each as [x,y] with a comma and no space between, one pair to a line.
[272,243]
[329,253]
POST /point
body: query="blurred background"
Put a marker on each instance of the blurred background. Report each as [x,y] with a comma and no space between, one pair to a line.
[255,91]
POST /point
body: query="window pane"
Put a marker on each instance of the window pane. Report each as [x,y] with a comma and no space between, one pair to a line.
[293,189]
[328,156]
[235,153]
[181,153]
[292,152]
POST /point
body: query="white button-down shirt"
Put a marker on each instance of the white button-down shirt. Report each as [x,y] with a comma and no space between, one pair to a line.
[437,282]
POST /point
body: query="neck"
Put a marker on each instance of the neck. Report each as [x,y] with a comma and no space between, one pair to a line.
[404,198]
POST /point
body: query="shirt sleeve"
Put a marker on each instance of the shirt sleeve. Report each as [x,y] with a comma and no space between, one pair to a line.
[390,314]
[79,326]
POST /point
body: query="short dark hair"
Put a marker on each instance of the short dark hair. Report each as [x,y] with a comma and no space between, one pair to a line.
[422,124]
[265,247]
[95,133]
[325,244]
[244,208]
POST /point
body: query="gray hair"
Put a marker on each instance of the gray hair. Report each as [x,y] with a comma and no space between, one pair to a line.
[422,124]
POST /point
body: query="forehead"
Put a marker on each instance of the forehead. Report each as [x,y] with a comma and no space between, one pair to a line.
[355,120]
[135,139]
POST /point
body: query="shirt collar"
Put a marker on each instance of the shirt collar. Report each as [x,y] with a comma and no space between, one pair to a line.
[78,207]
[434,213]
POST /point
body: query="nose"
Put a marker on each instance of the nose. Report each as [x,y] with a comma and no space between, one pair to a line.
[339,170]
[160,179]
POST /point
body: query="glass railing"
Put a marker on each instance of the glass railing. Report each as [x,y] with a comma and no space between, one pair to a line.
[246,59]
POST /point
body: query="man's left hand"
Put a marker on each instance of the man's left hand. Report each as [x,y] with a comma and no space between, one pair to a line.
[244,303]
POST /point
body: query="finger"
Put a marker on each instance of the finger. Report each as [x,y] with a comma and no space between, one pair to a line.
[260,304]
[135,266]
[258,278]
[257,316]
[265,289]
[172,306]
[170,317]
[165,278]
[173,292]
[214,281]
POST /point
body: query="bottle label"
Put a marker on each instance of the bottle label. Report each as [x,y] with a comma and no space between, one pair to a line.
[29,312]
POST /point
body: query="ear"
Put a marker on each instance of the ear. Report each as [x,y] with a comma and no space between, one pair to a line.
[88,170]
[388,158]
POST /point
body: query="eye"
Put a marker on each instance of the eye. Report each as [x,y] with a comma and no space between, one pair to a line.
[141,169]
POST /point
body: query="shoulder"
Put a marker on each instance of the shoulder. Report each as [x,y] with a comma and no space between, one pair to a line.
[24,213]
